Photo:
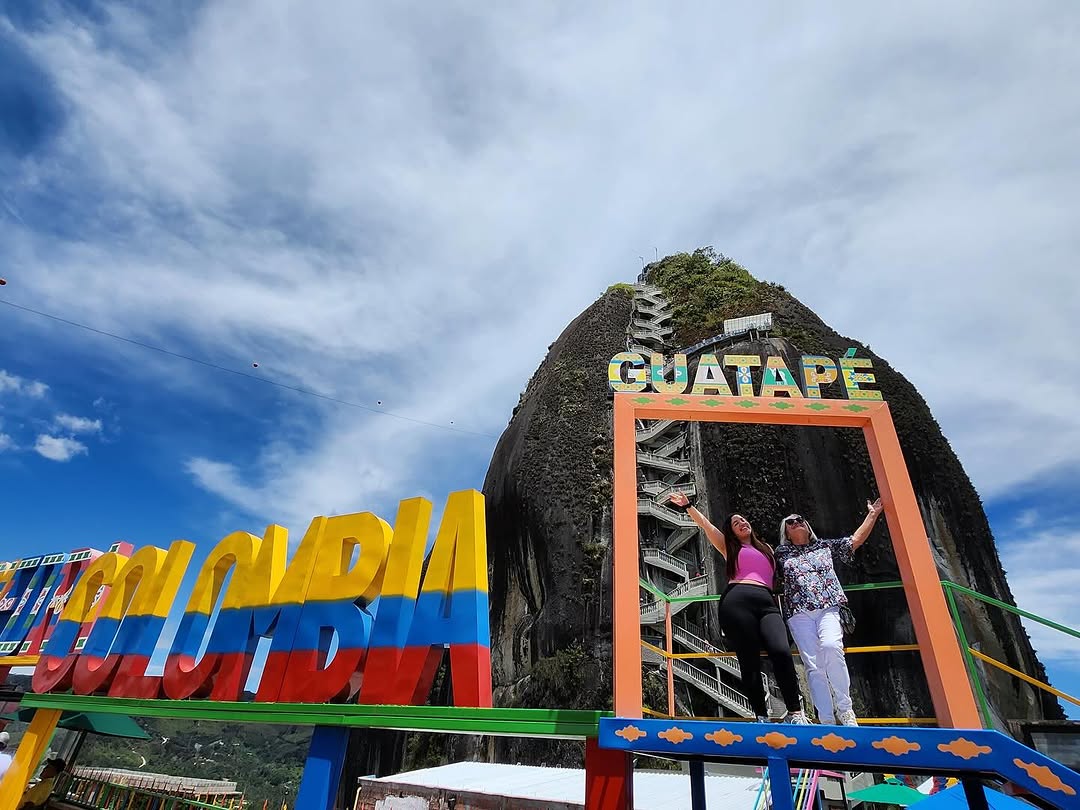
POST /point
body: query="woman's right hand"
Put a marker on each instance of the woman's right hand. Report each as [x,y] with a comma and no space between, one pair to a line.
[679,499]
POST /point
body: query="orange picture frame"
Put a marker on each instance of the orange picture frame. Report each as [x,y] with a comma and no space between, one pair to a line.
[946,676]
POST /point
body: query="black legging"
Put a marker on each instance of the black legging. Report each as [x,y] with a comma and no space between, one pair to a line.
[752,622]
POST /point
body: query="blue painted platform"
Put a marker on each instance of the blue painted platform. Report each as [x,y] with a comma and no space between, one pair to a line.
[956,752]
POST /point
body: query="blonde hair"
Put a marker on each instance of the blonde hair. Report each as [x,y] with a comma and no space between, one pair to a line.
[783,529]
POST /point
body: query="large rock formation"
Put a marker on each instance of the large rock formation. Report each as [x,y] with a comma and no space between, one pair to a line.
[548,492]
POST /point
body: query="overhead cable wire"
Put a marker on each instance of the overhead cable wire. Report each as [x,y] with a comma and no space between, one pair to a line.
[285,386]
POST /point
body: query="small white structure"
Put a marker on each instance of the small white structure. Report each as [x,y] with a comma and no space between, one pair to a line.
[562,787]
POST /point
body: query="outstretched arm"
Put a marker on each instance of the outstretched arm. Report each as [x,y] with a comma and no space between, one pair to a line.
[712,534]
[873,512]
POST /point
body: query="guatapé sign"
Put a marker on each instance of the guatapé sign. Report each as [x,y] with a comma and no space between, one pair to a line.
[628,372]
[97,618]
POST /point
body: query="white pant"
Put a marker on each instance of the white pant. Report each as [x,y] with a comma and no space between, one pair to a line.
[820,640]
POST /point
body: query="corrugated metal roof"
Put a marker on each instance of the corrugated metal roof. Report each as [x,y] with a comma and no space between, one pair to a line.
[652,790]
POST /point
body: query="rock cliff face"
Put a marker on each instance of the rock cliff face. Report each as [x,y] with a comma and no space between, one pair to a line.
[548,492]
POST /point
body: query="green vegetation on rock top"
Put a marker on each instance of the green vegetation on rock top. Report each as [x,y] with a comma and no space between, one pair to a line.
[622,287]
[706,288]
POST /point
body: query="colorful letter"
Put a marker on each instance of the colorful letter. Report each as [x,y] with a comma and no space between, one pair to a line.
[394,611]
[33,584]
[778,379]
[816,372]
[680,378]
[337,598]
[635,375]
[452,609]
[56,665]
[709,378]
[185,676]
[743,363]
[131,620]
[246,611]
[76,564]
[852,378]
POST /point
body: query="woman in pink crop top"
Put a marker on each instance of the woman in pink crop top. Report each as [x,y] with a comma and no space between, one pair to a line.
[748,613]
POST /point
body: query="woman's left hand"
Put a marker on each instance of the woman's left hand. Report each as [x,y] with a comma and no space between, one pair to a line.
[874,509]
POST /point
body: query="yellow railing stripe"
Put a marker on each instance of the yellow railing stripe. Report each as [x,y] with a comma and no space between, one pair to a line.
[883,648]
[849,650]
[864,721]
[1034,682]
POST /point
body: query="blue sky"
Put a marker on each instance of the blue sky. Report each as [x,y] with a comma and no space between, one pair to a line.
[402,207]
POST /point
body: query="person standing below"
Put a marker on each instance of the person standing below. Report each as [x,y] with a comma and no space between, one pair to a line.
[37,797]
[813,599]
[749,616]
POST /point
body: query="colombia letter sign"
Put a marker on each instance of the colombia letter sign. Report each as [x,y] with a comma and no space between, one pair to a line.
[354,600]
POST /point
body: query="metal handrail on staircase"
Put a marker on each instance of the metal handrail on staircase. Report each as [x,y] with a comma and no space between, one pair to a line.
[655,428]
[661,490]
[651,292]
[659,310]
[671,446]
[644,327]
[664,463]
[709,684]
[652,612]
[666,561]
[680,537]
[697,644]
[647,506]
[713,686]
[690,588]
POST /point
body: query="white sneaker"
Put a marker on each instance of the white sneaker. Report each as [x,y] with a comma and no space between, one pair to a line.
[761,719]
[848,718]
[798,718]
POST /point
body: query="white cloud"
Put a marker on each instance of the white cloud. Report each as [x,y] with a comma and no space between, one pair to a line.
[386,202]
[77,424]
[358,469]
[1044,568]
[6,442]
[59,448]
[34,389]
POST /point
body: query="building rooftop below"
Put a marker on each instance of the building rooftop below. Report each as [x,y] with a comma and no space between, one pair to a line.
[653,790]
[161,782]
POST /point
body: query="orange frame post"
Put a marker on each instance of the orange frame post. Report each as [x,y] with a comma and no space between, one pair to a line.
[954,702]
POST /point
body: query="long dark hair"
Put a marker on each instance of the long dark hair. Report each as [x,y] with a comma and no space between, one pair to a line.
[733,545]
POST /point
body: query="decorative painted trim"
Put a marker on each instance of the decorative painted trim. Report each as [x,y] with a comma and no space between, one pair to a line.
[897,746]
[833,743]
[964,748]
[675,735]
[723,737]
[940,750]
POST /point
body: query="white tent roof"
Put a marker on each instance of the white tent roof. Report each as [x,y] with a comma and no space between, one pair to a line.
[652,790]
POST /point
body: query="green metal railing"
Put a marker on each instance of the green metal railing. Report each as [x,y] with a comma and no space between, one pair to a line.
[971,656]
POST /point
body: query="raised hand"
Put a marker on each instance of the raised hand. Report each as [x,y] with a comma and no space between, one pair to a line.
[874,509]
[679,499]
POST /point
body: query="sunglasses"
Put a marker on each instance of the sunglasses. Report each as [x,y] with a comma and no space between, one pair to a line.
[794,520]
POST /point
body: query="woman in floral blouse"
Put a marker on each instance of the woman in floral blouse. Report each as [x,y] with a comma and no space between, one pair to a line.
[812,601]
